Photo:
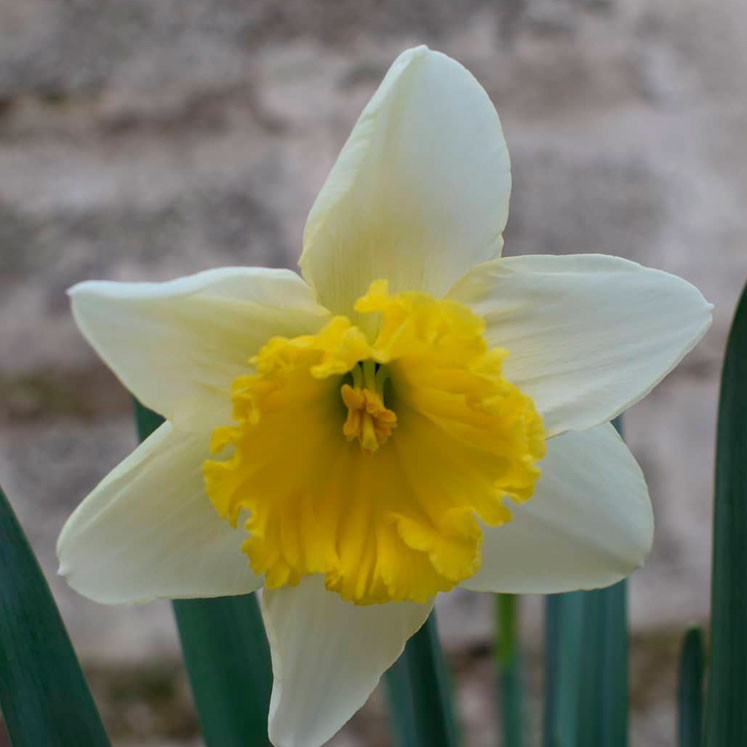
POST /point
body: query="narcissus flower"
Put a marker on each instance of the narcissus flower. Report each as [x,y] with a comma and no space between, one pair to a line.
[413,414]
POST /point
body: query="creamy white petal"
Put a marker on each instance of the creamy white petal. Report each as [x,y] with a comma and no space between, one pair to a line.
[148,530]
[328,656]
[588,525]
[420,190]
[588,335]
[178,345]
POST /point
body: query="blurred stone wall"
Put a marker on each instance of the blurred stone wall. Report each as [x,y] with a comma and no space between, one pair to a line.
[147,140]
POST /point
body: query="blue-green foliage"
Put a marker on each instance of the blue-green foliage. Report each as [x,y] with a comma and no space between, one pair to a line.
[726,713]
[586,669]
[44,697]
[420,695]
[690,691]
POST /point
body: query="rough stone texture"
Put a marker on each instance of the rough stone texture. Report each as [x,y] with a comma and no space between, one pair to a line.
[145,140]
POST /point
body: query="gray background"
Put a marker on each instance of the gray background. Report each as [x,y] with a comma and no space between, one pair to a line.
[147,140]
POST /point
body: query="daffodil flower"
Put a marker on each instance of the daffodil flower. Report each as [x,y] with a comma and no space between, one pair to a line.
[413,414]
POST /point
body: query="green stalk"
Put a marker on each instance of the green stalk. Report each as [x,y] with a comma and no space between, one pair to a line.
[690,691]
[587,680]
[586,701]
[726,714]
[226,655]
[606,664]
[510,677]
[419,693]
[564,624]
[44,697]
[228,662]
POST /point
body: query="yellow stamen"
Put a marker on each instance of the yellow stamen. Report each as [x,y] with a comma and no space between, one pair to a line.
[368,420]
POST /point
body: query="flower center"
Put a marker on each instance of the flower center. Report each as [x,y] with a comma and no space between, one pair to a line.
[368,419]
[374,462]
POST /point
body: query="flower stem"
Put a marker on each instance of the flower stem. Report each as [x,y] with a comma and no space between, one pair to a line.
[420,694]
[690,691]
[586,675]
[509,666]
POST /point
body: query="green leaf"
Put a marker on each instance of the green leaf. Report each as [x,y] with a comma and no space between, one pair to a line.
[146,421]
[226,653]
[690,691]
[228,661]
[44,697]
[586,654]
[420,694]
[606,661]
[509,665]
[587,677]
[726,714]
[564,625]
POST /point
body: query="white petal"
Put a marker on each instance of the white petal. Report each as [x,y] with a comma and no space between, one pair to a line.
[588,525]
[328,656]
[588,335]
[148,530]
[177,346]
[420,191]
